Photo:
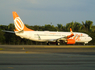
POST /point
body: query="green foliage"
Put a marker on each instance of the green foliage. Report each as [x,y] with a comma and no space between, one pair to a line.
[11,27]
[50,28]
[2,38]
[8,38]
[87,26]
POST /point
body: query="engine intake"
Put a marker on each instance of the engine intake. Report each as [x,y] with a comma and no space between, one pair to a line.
[70,41]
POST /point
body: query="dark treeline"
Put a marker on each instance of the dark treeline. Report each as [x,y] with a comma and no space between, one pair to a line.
[10,38]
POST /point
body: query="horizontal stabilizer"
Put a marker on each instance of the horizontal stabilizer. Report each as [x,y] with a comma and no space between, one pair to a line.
[8,31]
[13,31]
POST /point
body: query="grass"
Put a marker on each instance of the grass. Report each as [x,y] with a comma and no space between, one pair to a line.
[1,49]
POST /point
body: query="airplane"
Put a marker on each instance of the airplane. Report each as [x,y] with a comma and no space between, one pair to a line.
[47,36]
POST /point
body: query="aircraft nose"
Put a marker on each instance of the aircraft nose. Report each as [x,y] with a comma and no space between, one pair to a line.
[90,38]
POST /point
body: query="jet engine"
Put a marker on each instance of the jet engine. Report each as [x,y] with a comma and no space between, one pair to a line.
[70,41]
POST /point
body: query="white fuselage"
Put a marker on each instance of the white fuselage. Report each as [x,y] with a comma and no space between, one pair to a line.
[44,36]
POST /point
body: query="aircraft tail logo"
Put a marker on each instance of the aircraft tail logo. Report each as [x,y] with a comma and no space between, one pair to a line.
[19,25]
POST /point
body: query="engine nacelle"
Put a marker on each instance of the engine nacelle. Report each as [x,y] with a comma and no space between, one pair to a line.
[70,41]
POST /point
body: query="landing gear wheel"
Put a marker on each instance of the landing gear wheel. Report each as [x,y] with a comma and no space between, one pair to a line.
[48,43]
[84,43]
[57,43]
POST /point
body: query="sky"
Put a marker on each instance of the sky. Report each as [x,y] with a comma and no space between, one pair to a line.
[41,12]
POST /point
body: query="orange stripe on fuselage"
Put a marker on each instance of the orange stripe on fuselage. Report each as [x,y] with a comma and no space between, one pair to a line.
[76,37]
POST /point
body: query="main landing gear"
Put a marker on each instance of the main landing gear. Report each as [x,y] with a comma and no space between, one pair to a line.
[57,43]
[48,43]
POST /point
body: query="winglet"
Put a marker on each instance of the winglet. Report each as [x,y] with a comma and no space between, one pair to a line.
[71,33]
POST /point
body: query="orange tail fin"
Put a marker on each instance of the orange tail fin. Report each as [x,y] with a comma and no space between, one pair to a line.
[19,25]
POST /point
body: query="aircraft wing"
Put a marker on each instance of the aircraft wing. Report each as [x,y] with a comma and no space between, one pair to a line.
[63,38]
[71,34]
[52,40]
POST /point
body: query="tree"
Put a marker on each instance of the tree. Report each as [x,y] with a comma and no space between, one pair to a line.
[69,25]
[8,38]
[2,38]
[50,27]
[60,27]
[77,26]
[87,26]
[11,27]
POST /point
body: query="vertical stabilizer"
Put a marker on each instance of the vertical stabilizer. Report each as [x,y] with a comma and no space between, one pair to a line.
[19,25]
